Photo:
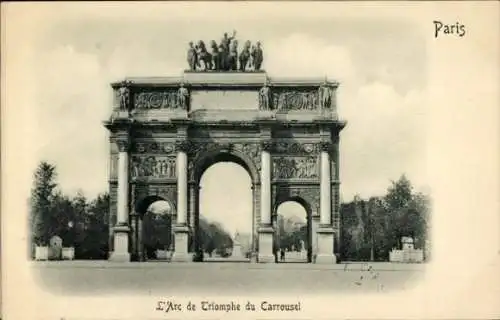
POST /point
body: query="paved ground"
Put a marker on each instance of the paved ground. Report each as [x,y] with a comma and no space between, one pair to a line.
[161,278]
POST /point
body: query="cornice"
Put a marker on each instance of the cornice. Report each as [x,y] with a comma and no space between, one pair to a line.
[225,80]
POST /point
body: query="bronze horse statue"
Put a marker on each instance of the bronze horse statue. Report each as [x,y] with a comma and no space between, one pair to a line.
[204,55]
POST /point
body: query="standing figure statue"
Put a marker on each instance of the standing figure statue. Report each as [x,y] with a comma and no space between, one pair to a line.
[183,97]
[233,55]
[215,55]
[223,58]
[257,56]
[192,57]
[265,97]
[325,96]
[245,56]
[225,47]
[226,41]
[124,96]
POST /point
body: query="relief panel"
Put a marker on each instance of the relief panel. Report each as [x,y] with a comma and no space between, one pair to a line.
[295,167]
[152,167]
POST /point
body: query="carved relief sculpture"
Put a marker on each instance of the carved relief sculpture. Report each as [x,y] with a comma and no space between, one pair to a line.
[299,167]
[153,167]
[295,100]
[156,100]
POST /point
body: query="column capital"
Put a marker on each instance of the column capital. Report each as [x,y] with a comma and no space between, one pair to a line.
[182,145]
[326,146]
[123,143]
[267,145]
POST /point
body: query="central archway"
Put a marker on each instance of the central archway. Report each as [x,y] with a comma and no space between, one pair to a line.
[224,222]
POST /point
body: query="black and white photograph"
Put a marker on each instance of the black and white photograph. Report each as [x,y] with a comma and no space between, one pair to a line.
[235,159]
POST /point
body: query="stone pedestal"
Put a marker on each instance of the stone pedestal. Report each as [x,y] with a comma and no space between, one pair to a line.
[237,253]
[181,253]
[120,252]
[266,245]
[325,255]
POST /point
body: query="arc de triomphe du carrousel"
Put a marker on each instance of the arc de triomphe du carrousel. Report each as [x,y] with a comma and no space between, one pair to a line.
[166,131]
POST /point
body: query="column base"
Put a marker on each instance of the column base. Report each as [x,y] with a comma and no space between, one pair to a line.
[181,249]
[120,243]
[326,259]
[182,257]
[265,254]
[119,257]
[325,240]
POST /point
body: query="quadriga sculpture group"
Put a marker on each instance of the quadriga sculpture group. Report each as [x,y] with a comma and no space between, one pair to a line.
[225,56]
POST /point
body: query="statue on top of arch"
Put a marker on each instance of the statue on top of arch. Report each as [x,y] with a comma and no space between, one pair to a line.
[225,55]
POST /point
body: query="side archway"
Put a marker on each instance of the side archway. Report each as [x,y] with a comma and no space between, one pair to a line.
[152,236]
[295,245]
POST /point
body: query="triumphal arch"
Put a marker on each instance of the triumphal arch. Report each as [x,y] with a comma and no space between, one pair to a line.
[165,132]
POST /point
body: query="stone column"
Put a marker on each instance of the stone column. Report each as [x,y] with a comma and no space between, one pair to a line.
[255,220]
[134,235]
[194,198]
[314,237]
[140,241]
[181,253]
[121,229]
[265,230]
[325,233]
[325,189]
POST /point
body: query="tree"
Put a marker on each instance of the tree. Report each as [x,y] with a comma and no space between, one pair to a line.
[42,194]
[63,218]
[370,229]
[213,237]
[397,204]
[96,235]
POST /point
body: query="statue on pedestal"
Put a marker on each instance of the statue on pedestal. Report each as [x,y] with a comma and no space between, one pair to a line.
[302,246]
[237,246]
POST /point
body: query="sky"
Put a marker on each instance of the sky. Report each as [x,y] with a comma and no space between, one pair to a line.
[380,64]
